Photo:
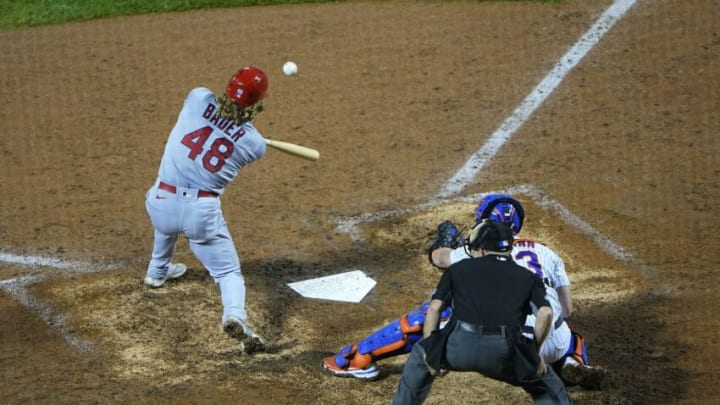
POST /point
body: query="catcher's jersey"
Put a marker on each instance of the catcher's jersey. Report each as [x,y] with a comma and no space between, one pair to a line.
[534,256]
[205,151]
[541,260]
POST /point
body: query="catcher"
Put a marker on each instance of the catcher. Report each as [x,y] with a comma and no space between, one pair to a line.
[563,349]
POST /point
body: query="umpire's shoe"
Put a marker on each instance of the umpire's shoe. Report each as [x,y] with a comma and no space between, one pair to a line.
[174,271]
[250,342]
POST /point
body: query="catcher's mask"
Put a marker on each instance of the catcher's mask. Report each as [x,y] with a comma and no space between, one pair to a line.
[490,235]
[501,208]
[247,87]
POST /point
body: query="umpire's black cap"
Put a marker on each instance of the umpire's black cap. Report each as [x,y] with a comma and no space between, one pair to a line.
[491,235]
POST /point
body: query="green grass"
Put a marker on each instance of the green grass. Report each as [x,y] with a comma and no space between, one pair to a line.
[28,13]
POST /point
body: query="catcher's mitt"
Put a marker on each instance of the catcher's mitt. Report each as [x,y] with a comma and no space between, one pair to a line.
[447,236]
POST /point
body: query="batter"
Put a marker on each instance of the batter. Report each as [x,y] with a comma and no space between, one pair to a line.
[211,141]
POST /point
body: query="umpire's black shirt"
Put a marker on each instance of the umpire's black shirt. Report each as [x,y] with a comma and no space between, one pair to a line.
[491,290]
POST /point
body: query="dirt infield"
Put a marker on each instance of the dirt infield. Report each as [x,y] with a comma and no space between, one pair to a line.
[618,171]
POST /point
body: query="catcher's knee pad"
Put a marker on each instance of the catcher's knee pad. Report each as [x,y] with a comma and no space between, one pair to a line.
[577,349]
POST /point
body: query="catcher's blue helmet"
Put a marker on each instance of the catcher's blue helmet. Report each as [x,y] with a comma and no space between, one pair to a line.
[501,208]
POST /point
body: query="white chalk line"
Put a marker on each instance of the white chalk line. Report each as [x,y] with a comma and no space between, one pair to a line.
[17,287]
[606,244]
[350,227]
[70,267]
[33,261]
[45,312]
[535,99]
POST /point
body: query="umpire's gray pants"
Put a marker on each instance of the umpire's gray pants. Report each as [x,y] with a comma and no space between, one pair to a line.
[491,356]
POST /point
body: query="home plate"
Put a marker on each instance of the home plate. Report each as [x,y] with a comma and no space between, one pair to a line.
[347,287]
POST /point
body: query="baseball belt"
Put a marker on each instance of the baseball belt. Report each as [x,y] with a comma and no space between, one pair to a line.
[172,189]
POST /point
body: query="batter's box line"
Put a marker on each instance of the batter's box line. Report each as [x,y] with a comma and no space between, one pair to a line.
[350,227]
[17,287]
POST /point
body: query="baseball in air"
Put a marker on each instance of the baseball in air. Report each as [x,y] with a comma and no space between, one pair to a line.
[290,68]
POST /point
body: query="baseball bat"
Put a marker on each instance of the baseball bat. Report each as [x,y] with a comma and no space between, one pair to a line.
[293,149]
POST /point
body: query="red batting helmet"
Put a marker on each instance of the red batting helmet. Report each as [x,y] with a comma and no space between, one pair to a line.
[247,86]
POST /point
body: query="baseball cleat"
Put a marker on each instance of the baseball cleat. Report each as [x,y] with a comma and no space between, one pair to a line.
[591,378]
[250,342]
[174,271]
[368,373]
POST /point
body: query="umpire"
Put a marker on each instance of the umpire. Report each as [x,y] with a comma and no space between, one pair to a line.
[490,295]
